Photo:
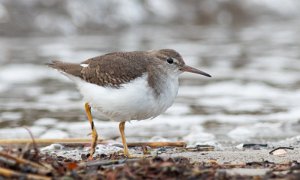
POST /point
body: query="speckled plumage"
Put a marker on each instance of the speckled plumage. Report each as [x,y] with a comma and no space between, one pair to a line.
[115,69]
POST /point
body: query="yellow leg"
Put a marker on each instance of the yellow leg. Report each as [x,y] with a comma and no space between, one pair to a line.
[122,128]
[94,132]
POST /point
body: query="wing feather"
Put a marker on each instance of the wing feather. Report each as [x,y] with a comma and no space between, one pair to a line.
[113,69]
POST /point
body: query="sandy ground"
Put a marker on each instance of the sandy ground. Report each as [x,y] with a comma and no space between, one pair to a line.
[240,156]
[233,156]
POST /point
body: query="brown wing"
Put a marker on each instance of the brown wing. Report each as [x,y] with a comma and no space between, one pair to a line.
[112,69]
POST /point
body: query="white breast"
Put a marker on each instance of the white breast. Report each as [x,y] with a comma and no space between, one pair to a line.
[132,101]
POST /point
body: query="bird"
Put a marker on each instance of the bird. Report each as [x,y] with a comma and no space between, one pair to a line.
[125,86]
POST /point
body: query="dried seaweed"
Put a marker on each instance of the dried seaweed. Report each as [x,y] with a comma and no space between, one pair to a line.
[116,166]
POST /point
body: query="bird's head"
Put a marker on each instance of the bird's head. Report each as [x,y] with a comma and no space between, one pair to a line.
[173,61]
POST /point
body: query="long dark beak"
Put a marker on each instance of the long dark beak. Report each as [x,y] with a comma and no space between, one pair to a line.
[187,68]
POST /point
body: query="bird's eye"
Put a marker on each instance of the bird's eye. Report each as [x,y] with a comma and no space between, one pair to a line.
[170,60]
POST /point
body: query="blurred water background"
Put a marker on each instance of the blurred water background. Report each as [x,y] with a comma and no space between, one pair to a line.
[251,48]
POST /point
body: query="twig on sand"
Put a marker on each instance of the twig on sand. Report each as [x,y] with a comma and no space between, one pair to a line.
[87,141]
[48,141]
[19,160]
[158,144]
[33,141]
[15,174]
[102,163]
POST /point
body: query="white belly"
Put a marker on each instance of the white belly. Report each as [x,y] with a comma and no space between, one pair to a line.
[132,101]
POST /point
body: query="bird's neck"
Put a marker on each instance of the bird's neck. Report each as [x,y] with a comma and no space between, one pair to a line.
[161,81]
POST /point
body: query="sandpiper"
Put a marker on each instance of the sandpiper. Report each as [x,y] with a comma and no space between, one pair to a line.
[126,86]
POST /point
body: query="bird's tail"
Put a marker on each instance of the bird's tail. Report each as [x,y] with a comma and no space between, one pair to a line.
[69,68]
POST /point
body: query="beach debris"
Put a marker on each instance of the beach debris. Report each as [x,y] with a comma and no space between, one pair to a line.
[201,148]
[280,151]
[8,173]
[158,144]
[252,146]
[14,164]
[78,141]
[43,142]
[33,141]
[104,163]
[33,170]
[119,167]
